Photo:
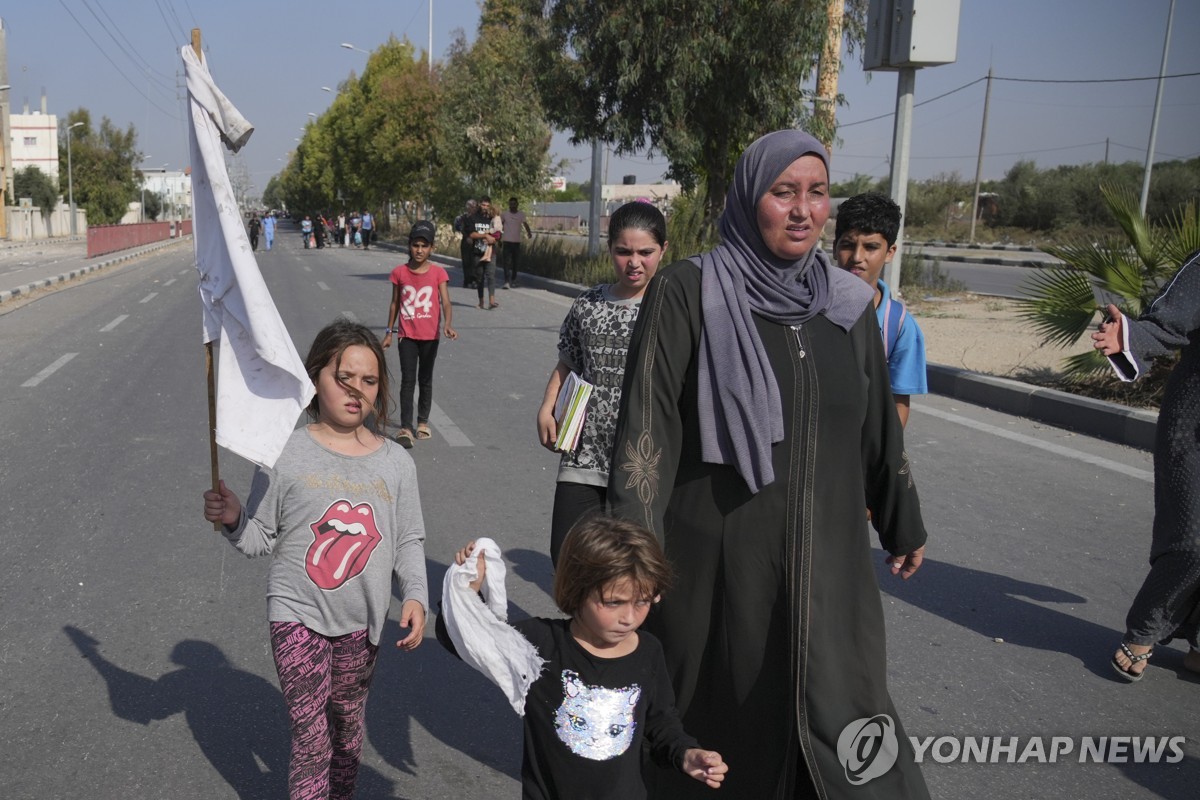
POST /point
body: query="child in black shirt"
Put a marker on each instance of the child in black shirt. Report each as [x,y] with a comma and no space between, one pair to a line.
[603,693]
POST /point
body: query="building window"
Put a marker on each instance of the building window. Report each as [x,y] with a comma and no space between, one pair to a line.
[31,141]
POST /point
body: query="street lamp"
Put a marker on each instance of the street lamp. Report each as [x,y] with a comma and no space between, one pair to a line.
[349,46]
[4,87]
[326,89]
[70,177]
[142,206]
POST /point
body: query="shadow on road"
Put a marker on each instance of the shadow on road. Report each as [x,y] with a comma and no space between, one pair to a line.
[237,718]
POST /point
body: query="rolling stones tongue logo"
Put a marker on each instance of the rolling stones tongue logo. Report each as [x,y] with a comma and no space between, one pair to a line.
[343,540]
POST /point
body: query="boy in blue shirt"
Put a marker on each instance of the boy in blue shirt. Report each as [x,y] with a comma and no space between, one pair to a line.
[864,241]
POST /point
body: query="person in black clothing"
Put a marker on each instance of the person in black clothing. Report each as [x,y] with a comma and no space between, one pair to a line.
[254,227]
[466,247]
[603,691]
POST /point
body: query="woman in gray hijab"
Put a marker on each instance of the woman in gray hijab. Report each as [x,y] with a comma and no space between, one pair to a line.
[756,419]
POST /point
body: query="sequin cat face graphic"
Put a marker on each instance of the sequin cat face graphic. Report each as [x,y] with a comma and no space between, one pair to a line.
[343,540]
[594,721]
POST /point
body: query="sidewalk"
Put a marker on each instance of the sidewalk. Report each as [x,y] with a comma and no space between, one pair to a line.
[54,273]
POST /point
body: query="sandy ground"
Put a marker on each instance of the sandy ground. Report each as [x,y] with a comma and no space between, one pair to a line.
[983,334]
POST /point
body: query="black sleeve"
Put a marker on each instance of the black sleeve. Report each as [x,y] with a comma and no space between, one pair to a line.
[649,432]
[665,736]
[1166,325]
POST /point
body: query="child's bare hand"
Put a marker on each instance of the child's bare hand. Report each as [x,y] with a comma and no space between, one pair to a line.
[706,766]
[412,616]
[461,557]
[223,506]
[547,428]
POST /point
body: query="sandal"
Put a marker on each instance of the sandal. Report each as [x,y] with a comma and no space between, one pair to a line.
[404,438]
[1129,674]
[423,431]
[493,305]
[480,306]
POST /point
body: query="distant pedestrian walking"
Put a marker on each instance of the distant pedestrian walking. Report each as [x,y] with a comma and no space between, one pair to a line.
[466,246]
[367,223]
[268,227]
[513,224]
[419,315]
[253,227]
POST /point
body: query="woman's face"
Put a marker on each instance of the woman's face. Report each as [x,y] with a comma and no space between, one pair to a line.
[635,255]
[793,211]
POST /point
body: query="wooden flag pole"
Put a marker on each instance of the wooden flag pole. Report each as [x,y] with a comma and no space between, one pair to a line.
[208,367]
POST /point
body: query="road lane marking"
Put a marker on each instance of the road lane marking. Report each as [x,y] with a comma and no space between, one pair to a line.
[50,370]
[321,285]
[168,283]
[148,297]
[446,427]
[114,323]
[1087,458]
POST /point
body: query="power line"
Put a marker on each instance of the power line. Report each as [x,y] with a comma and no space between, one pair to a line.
[109,59]
[169,91]
[917,105]
[1094,80]
[1019,80]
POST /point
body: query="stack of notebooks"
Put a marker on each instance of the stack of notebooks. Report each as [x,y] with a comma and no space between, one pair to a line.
[570,410]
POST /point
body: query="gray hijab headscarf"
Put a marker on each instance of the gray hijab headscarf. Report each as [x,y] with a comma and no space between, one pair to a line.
[739,407]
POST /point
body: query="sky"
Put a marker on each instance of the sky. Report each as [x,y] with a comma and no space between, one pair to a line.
[121,60]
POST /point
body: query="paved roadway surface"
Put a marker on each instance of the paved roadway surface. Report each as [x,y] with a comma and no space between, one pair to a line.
[133,642]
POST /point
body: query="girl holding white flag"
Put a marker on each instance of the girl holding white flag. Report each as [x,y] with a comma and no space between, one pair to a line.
[339,513]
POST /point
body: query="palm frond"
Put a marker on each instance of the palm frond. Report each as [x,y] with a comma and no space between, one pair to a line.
[1183,237]
[1085,363]
[1125,208]
[1059,305]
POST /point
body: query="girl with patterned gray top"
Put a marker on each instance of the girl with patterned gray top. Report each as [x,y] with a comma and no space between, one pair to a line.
[593,343]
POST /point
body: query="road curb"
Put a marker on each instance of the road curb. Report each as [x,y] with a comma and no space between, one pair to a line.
[29,288]
[1112,422]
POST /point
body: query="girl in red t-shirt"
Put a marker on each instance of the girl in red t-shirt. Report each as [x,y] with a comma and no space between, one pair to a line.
[420,305]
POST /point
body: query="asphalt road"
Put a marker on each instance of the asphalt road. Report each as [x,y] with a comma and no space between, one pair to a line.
[133,647]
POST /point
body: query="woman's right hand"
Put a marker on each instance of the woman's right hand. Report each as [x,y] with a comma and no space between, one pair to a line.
[223,506]
[1108,338]
[387,341]
[547,427]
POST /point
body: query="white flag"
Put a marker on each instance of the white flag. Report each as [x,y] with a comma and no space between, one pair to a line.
[262,386]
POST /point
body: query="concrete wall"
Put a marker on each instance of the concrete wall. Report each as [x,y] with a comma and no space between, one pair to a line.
[28,224]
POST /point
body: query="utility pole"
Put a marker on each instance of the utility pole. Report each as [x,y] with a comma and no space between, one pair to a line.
[987,101]
[593,245]
[1162,70]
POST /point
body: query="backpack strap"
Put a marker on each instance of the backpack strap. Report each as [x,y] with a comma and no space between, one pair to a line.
[893,321]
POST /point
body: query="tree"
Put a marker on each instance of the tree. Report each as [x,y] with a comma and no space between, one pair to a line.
[698,80]
[495,138]
[39,187]
[272,196]
[153,206]
[1061,303]
[103,167]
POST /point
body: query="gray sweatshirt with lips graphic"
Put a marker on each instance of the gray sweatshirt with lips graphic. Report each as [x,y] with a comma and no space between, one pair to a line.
[336,527]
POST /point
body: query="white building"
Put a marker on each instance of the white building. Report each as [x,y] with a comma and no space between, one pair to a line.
[33,140]
[174,190]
